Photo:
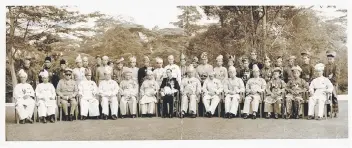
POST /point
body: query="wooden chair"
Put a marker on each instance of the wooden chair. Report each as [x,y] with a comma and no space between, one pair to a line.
[59,105]
[328,101]
[36,113]
[17,118]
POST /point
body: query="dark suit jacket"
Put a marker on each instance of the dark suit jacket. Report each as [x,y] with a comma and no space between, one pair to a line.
[168,82]
[142,72]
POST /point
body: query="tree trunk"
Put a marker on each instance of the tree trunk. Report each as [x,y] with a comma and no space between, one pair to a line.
[10,52]
[252,27]
[264,32]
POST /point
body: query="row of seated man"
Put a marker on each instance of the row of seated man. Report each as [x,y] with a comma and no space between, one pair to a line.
[109,93]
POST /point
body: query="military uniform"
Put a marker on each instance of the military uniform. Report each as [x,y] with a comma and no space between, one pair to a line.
[220,71]
[142,72]
[274,95]
[159,73]
[46,96]
[24,98]
[129,93]
[232,89]
[176,71]
[67,90]
[59,74]
[295,87]
[190,88]
[211,91]
[332,72]
[287,74]
[254,87]
[244,73]
[204,70]
[108,90]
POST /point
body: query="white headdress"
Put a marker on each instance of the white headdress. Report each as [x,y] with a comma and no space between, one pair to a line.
[22,73]
[319,67]
[219,58]
[170,56]
[108,70]
[158,60]
[132,59]
[44,74]
[105,57]
[232,68]
[255,67]
[85,59]
[78,59]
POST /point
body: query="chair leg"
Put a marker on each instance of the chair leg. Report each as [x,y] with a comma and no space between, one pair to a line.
[17,118]
[197,110]
[156,109]
[260,109]
[219,109]
[302,105]
[35,115]
[326,111]
[60,112]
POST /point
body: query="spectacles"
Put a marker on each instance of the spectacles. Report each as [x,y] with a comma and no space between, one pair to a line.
[68,74]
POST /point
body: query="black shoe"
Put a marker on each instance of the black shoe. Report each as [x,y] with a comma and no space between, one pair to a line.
[150,115]
[254,115]
[29,120]
[245,116]
[226,115]
[193,116]
[83,118]
[44,119]
[310,117]
[105,117]
[22,121]
[319,118]
[133,116]
[297,117]
[65,118]
[267,116]
[209,114]
[52,118]
[114,117]
[276,116]
[182,115]
[288,116]
[335,115]
[123,116]
[230,115]
[170,116]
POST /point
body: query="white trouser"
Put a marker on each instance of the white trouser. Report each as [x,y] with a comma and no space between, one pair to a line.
[231,103]
[114,105]
[191,103]
[46,108]
[316,105]
[25,108]
[251,102]
[148,108]
[131,103]
[211,102]
[90,105]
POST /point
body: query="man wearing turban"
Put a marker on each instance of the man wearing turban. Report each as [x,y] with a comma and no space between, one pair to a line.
[46,95]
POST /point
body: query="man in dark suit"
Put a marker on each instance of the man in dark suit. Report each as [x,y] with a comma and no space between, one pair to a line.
[254,60]
[142,72]
[169,88]
[332,72]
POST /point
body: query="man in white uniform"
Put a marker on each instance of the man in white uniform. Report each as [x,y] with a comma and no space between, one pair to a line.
[129,93]
[190,89]
[159,71]
[88,94]
[24,98]
[148,91]
[176,71]
[220,71]
[46,95]
[78,73]
[204,68]
[212,88]
[133,68]
[254,87]
[233,86]
[319,88]
[108,90]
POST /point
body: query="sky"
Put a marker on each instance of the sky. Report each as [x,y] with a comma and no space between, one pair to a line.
[149,16]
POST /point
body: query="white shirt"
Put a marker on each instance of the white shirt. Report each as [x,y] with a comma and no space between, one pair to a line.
[79,74]
[159,75]
[235,85]
[320,85]
[88,89]
[108,88]
[45,90]
[22,90]
[212,86]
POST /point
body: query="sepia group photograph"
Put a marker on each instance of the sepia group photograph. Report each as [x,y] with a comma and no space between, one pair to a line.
[129,71]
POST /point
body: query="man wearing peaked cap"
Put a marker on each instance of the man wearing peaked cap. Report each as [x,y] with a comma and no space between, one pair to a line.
[142,72]
[254,87]
[59,73]
[307,68]
[190,89]
[23,94]
[254,60]
[108,90]
[319,88]
[295,87]
[278,63]
[46,96]
[118,70]
[212,89]
[266,71]
[67,91]
[79,71]
[245,73]
[88,93]
[274,94]
[332,72]
[287,74]
[233,86]
[204,69]
[220,71]
[129,94]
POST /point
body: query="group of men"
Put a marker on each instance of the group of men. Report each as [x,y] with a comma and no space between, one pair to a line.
[119,88]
